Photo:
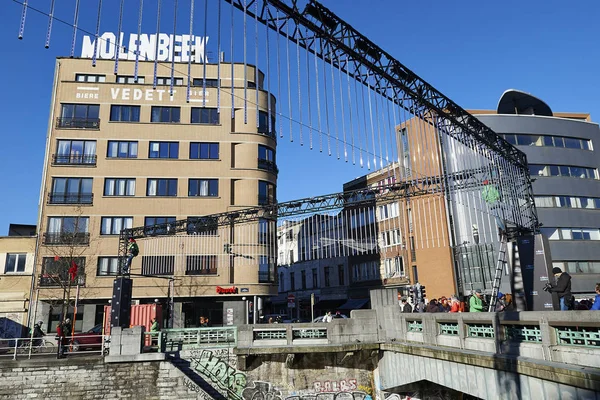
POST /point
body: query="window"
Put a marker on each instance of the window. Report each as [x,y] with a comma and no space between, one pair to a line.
[119,187]
[544,201]
[394,267]
[209,82]
[79,116]
[512,139]
[391,238]
[15,263]
[266,270]
[341,274]
[327,271]
[571,233]
[163,150]
[158,265]
[75,152]
[204,226]
[107,266]
[122,149]
[263,124]
[90,78]
[130,79]
[263,231]
[387,211]
[161,187]
[292,281]
[205,116]
[71,191]
[315,278]
[165,114]
[114,225]
[303,279]
[125,113]
[204,151]
[413,250]
[281,282]
[203,187]
[167,81]
[158,225]
[579,267]
[563,170]
[201,265]
[266,193]
[266,158]
[55,271]
[405,151]
[548,141]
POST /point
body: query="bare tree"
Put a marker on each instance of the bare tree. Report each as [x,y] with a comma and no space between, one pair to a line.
[63,265]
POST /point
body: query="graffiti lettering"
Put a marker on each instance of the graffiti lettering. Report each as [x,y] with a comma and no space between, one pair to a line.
[345,385]
[261,391]
[218,371]
[333,396]
[202,395]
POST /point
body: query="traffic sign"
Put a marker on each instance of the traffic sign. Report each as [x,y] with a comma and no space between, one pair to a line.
[291,300]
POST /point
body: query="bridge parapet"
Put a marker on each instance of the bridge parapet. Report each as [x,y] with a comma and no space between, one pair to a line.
[568,337]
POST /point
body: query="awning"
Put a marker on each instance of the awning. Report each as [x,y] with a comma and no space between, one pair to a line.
[354,304]
[329,304]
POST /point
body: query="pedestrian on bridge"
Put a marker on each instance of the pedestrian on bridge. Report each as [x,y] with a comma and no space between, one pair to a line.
[406,308]
[476,302]
[596,305]
[562,287]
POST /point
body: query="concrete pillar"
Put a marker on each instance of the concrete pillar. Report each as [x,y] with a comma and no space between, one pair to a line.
[89,317]
[234,313]
[177,317]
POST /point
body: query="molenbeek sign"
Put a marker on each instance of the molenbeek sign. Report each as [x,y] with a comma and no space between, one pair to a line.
[177,48]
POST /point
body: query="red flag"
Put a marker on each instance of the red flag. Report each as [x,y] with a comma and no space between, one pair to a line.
[73,270]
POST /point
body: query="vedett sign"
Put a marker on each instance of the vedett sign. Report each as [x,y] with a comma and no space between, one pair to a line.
[181,48]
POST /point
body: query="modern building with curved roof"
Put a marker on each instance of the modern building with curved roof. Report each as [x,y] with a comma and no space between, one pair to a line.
[564,160]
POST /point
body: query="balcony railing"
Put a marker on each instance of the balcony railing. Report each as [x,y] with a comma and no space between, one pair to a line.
[58,280]
[66,159]
[266,277]
[268,165]
[77,123]
[75,198]
[67,238]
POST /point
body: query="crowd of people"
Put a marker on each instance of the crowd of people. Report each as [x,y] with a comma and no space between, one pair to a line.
[477,302]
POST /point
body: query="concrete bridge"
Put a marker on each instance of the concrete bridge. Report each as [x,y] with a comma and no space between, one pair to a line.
[380,353]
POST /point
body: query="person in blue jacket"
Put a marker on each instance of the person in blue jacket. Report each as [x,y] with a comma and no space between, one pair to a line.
[596,305]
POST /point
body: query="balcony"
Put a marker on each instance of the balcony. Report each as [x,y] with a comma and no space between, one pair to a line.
[268,166]
[67,238]
[75,198]
[60,280]
[66,159]
[266,277]
[77,123]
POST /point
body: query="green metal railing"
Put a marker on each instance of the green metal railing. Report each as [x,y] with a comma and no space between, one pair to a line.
[270,334]
[415,326]
[449,328]
[578,336]
[481,331]
[523,333]
[316,333]
[192,338]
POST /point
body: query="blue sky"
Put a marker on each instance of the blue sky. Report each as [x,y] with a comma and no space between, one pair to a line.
[470,50]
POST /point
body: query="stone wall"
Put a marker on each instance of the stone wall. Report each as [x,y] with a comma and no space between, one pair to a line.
[76,379]
[284,376]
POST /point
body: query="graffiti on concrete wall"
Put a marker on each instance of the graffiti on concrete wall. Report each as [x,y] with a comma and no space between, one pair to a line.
[332,396]
[261,391]
[344,385]
[202,395]
[219,371]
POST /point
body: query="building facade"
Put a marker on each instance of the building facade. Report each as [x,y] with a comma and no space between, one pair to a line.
[16,270]
[122,154]
[561,149]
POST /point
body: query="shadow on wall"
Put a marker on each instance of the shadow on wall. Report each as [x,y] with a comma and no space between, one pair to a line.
[10,329]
